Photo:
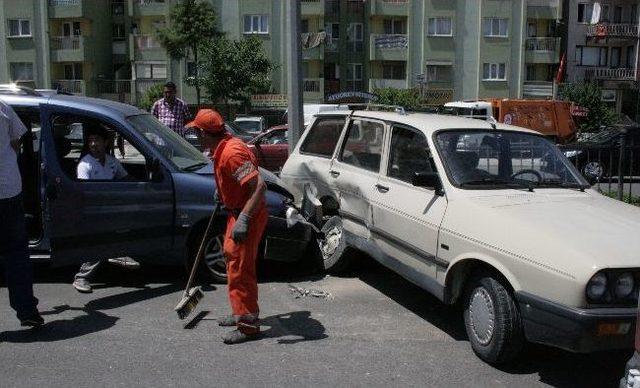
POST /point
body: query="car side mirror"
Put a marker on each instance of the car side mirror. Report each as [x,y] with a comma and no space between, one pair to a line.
[429,180]
[155,171]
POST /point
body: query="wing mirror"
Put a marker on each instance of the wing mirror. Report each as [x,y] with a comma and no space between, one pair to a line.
[429,180]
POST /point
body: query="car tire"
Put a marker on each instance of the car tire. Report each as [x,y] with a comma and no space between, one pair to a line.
[332,246]
[212,265]
[594,169]
[492,320]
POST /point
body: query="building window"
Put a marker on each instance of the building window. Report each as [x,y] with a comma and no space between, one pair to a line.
[440,27]
[437,73]
[21,71]
[354,76]
[304,25]
[531,72]
[355,36]
[118,31]
[19,28]
[394,26]
[494,72]
[633,15]
[496,27]
[591,56]
[191,69]
[394,71]
[617,15]
[256,24]
[616,54]
[584,12]
[73,71]
[151,70]
[333,34]
[631,58]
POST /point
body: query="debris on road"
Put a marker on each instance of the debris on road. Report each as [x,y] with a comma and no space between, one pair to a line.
[299,292]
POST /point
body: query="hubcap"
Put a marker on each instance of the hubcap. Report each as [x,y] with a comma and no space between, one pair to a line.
[481,315]
[214,257]
[593,169]
[331,241]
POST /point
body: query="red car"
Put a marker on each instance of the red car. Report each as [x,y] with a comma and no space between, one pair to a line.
[271,148]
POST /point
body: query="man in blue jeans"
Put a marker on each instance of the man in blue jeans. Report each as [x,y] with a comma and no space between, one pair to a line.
[13,234]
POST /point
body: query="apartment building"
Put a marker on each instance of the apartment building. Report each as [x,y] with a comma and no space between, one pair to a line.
[449,49]
[602,46]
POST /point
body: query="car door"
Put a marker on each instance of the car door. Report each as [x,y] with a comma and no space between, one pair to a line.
[406,218]
[87,219]
[272,150]
[354,172]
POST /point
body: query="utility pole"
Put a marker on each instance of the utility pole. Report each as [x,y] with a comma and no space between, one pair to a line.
[294,74]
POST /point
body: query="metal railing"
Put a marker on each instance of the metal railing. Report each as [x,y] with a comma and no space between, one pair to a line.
[113,86]
[383,83]
[603,30]
[66,42]
[623,74]
[542,44]
[537,89]
[146,42]
[614,168]
[75,86]
[63,2]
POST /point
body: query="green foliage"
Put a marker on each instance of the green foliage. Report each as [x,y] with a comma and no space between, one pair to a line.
[234,70]
[630,199]
[407,98]
[192,26]
[153,94]
[589,95]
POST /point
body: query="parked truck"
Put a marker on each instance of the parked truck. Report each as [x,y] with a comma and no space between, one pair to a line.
[551,118]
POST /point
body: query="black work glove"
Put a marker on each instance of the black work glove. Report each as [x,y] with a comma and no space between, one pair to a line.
[240,229]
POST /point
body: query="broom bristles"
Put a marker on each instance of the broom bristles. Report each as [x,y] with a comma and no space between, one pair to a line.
[189,302]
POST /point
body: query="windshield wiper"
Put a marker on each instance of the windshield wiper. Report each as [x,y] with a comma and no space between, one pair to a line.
[500,182]
[194,167]
[564,185]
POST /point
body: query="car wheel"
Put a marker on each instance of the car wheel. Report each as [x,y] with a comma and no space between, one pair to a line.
[333,245]
[593,170]
[212,264]
[492,320]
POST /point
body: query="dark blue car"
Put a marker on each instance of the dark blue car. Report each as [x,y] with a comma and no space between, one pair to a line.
[157,216]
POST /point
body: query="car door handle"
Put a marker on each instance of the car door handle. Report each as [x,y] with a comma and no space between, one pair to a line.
[334,173]
[382,189]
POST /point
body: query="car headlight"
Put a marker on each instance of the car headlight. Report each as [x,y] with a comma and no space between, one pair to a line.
[624,285]
[597,286]
[572,153]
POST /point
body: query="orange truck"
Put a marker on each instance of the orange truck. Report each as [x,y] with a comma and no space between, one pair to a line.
[551,118]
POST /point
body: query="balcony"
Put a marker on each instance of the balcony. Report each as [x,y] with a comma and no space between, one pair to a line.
[382,83]
[147,48]
[75,86]
[149,7]
[388,47]
[544,9]
[605,30]
[313,89]
[537,89]
[604,73]
[63,9]
[69,49]
[115,90]
[312,7]
[389,7]
[542,50]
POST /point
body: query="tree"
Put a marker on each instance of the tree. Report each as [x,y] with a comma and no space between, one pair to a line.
[192,26]
[153,94]
[407,98]
[589,95]
[234,70]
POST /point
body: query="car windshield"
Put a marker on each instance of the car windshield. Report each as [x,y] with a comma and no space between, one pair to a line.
[504,159]
[176,149]
[235,130]
[253,126]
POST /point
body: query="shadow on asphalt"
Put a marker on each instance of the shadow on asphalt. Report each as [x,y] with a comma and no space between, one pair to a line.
[554,366]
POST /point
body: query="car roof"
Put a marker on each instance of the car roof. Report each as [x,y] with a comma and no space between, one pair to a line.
[79,102]
[248,118]
[428,122]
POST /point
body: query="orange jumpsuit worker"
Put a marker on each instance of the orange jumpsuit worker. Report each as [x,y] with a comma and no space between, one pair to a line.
[242,192]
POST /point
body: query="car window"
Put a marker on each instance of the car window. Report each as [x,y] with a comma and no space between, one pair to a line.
[323,136]
[70,138]
[409,154]
[275,137]
[363,150]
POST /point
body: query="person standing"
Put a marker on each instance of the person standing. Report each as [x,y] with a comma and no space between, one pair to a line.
[242,191]
[171,111]
[14,244]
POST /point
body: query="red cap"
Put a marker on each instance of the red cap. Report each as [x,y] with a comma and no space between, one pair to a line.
[208,120]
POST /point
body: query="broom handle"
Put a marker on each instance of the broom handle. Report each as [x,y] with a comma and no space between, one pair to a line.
[196,262]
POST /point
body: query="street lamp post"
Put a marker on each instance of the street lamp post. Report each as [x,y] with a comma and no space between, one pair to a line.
[294,75]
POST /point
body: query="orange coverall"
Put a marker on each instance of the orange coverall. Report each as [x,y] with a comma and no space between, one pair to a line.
[234,166]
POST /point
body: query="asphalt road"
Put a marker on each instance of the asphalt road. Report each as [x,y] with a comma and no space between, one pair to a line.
[374,330]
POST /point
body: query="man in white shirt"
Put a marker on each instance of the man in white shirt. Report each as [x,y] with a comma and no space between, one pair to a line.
[99,165]
[13,234]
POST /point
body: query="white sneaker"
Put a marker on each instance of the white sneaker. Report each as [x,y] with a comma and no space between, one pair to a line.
[125,262]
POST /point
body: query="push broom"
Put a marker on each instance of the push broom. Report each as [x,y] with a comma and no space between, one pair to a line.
[192,296]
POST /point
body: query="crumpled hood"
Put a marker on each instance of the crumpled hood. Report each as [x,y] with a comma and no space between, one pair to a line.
[570,231]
